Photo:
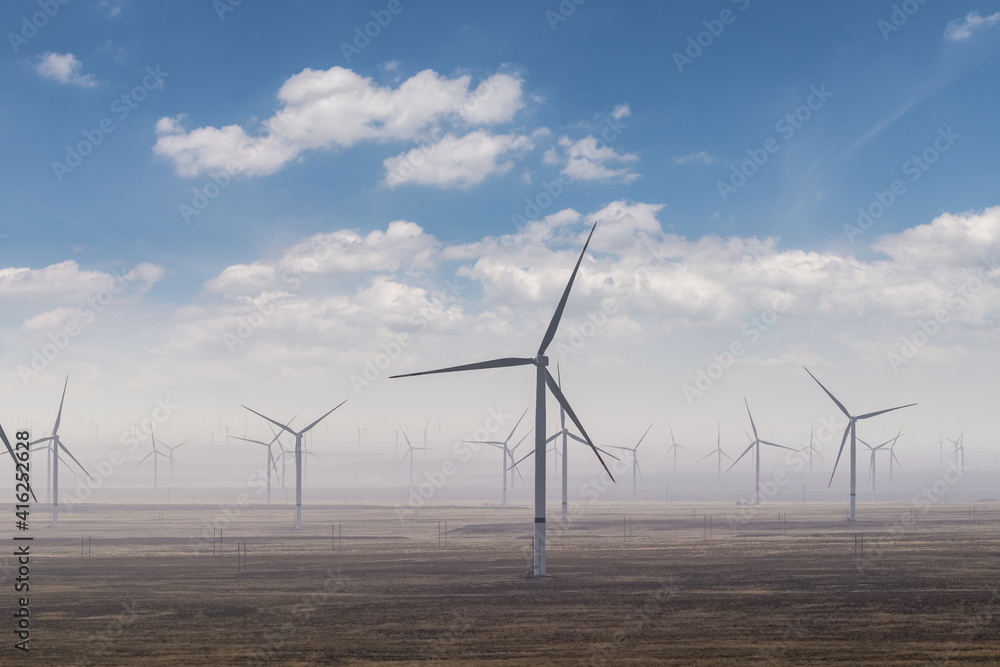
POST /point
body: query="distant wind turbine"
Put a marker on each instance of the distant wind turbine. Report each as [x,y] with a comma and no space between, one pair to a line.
[755,444]
[852,431]
[873,450]
[812,450]
[635,458]
[271,461]
[507,458]
[56,446]
[718,450]
[154,453]
[409,452]
[298,456]
[673,447]
[542,379]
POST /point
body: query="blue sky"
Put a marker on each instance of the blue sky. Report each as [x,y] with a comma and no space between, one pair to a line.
[671,136]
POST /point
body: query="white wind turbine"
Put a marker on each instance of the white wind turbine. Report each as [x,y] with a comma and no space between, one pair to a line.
[508,456]
[298,456]
[57,444]
[673,447]
[852,431]
[873,450]
[542,379]
[155,453]
[755,444]
[812,450]
[271,461]
[635,458]
[170,458]
[718,450]
[959,452]
[409,452]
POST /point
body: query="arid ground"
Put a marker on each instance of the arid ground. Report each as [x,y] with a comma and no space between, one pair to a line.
[628,584]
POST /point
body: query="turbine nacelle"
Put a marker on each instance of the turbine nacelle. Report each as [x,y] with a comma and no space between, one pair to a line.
[540,360]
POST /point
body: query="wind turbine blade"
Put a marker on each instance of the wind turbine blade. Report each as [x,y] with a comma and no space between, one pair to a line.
[522,458]
[520,441]
[55,429]
[839,452]
[315,455]
[278,424]
[323,417]
[606,453]
[553,436]
[882,412]
[554,324]
[726,455]
[752,425]
[495,443]
[182,444]
[711,453]
[496,363]
[896,459]
[141,460]
[236,437]
[70,454]
[818,454]
[741,456]
[642,438]
[774,444]
[637,468]
[625,449]
[405,454]
[557,392]
[507,439]
[832,397]
[41,440]
[404,436]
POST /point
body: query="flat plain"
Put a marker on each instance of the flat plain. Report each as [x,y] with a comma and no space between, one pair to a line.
[627,584]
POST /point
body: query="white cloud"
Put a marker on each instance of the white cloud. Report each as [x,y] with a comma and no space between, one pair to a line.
[959,30]
[337,108]
[64,68]
[701,157]
[621,111]
[65,281]
[587,160]
[457,161]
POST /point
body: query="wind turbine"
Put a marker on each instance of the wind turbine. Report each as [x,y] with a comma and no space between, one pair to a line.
[271,462]
[56,446]
[959,452]
[155,453]
[408,452]
[298,457]
[812,448]
[360,429]
[717,450]
[508,456]
[635,458]
[892,458]
[170,457]
[873,450]
[853,431]
[425,436]
[673,447]
[542,379]
[755,443]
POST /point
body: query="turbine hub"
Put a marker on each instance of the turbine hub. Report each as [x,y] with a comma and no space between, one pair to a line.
[541,360]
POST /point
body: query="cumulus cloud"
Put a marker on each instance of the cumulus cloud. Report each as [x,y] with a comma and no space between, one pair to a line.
[64,68]
[403,246]
[457,161]
[588,159]
[959,30]
[338,108]
[701,157]
[66,281]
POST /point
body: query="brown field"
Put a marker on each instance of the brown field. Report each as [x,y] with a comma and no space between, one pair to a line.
[761,592]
